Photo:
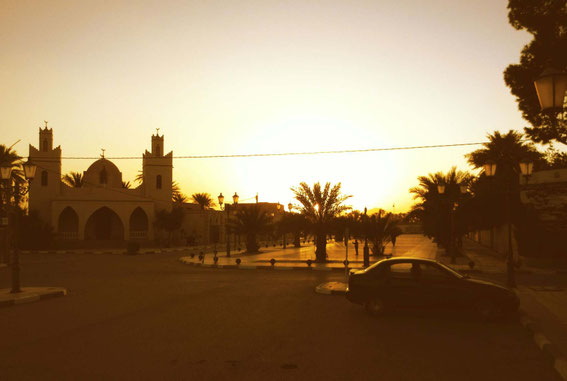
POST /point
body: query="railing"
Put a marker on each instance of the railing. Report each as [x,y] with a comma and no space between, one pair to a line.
[138,234]
[67,236]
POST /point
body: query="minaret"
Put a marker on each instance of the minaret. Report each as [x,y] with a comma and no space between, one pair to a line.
[47,182]
[157,171]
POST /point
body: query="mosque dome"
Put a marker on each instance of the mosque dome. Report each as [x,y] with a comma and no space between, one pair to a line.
[103,173]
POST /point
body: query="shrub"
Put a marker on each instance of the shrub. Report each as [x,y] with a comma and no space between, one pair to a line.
[132,247]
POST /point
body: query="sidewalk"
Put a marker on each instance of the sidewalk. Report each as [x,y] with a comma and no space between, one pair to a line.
[303,258]
[545,307]
[29,295]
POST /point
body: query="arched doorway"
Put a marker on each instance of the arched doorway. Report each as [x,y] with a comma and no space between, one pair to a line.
[68,224]
[139,224]
[104,225]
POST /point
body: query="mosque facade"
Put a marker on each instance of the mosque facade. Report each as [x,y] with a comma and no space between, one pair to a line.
[101,209]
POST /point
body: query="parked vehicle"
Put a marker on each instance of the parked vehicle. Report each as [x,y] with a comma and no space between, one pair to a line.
[422,283]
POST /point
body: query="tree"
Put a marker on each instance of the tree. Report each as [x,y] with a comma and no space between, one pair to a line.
[506,151]
[169,221]
[320,206]
[73,179]
[12,193]
[433,209]
[295,224]
[547,22]
[379,228]
[139,177]
[555,159]
[204,200]
[126,184]
[250,221]
[179,198]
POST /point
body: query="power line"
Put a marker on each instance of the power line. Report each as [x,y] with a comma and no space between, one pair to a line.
[331,152]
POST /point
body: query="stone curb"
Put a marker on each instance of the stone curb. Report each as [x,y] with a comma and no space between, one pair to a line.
[327,289]
[547,347]
[113,252]
[33,297]
[276,267]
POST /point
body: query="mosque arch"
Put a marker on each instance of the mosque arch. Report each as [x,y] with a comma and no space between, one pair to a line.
[139,224]
[103,225]
[68,223]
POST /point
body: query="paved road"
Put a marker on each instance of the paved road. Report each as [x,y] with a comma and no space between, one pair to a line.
[149,317]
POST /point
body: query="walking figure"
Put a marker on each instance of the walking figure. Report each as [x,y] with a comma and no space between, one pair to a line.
[356,247]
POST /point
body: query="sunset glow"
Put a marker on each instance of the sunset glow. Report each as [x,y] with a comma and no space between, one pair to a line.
[221,77]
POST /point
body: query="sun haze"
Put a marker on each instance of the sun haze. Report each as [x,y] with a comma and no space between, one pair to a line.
[222,77]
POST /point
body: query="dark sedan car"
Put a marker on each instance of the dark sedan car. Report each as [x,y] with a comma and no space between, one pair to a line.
[423,283]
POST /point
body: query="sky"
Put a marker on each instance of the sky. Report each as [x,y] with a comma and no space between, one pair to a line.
[239,77]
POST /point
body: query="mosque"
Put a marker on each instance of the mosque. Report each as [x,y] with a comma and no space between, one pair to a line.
[102,209]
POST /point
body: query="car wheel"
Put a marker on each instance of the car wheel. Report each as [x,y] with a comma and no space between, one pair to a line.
[488,311]
[375,306]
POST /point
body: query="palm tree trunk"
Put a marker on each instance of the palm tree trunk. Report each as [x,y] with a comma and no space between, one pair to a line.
[321,250]
[297,239]
[251,245]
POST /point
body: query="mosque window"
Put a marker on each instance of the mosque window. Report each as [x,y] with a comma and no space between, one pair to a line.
[44,145]
[103,178]
[44,178]
[158,182]
[158,153]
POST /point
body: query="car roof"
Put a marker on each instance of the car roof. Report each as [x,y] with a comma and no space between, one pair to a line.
[389,261]
[408,259]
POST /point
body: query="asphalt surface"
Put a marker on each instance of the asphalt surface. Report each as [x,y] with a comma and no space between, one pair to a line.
[150,317]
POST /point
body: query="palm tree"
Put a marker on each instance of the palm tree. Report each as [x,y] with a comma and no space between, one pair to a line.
[179,198]
[169,221]
[9,157]
[73,179]
[250,221]
[126,184]
[204,200]
[434,209]
[381,228]
[139,177]
[506,151]
[320,206]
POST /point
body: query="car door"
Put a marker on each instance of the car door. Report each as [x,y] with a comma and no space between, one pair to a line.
[439,287]
[402,285]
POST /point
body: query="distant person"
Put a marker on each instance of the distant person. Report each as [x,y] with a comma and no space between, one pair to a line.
[356,247]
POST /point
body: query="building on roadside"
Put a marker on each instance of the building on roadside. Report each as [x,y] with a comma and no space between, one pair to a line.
[102,210]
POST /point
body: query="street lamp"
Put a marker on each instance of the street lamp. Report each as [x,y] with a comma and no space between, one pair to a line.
[526,169]
[551,86]
[290,206]
[6,176]
[227,209]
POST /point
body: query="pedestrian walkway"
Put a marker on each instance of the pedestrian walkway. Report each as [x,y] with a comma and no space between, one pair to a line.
[545,306]
[304,256]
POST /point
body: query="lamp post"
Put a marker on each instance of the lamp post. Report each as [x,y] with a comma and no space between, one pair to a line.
[453,205]
[365,250]
[6,176]
[227,210]
[526,169]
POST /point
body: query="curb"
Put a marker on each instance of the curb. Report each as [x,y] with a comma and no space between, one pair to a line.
[331,288]
[549,350]
[33,297]
[264,267]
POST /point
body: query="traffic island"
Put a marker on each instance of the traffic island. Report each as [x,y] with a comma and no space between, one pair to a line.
[29,295]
